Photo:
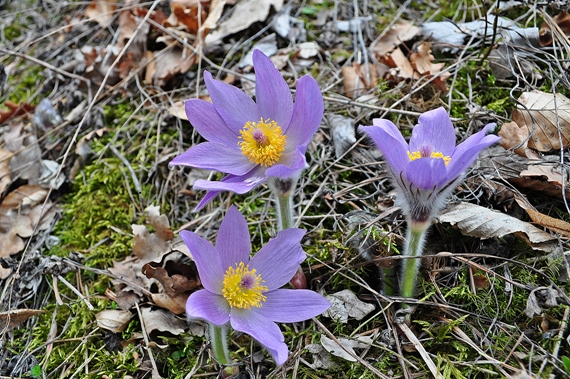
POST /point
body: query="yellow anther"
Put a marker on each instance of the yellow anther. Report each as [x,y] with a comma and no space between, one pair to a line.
[243,288]
[416,154]
[262,142]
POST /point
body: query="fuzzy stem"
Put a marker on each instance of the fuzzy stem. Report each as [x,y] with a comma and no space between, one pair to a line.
[284,211]
[219,342]
[415,239]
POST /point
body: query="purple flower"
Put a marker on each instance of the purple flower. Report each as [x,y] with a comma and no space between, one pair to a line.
[252,141]
[246,292]
[426,169]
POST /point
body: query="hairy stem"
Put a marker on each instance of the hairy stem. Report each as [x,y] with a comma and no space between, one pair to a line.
[219,342]
[284,211]
[415,239]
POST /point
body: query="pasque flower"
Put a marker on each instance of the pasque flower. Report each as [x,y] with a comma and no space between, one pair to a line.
[245,292]
[425,172]
[427,169]
[252,141]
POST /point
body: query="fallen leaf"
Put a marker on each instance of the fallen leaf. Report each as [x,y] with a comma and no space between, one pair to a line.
[556,225]
[25,164]
[359,78]
[101,11]
[389,39]
[5,178]
[5,272]
[342,132]
[547,118]
[167,63]
[178,110]
[345,304]
[400,63]
[15,110]
[349,344]
[187,15]
[113,320]
[13,319]
[422,62]
[512,135]
[477,221]
[322,359]
[560,21]
[162,320]
[244,14]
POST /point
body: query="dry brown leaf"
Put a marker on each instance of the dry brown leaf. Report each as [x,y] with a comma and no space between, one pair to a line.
[15,110]
[562,20]
[5,178]
[360,78]
[5,272]
[25,164]
[175,305]
[400,32]
[513,135]
[548,112]
[422,62]
[556,225]
[13,319]
[476,221]
[162,320]
[167,64]
[113,319]
[398,61]
[187,15]
[101,11]
[245,13]
[130,283]
[178,110]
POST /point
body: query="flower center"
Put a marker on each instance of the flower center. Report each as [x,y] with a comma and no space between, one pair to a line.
[243,288]
[426,152]
[262,142]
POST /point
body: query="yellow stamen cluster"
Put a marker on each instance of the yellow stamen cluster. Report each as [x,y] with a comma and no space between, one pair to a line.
[416,154]
[262,142]
[243,288]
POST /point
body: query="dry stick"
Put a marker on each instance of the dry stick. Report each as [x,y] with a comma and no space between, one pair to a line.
[465,338]
[76,291]
[355,356]
[155,373]
[419,347]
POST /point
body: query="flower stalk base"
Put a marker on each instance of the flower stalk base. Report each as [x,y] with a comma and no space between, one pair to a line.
[283,190]
[415,239]
[219,343]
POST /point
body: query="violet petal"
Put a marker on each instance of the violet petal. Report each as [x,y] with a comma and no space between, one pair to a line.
[463,158]
[262,329]
[426,173]
[271,91]
[233,243]
[287,305]
[289,165]
[233,105]
[206,120]
[434,129]
[390,141]
[215,156]
[307,113]
[208,306]
[207,261]
[238,184]
[278,260]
